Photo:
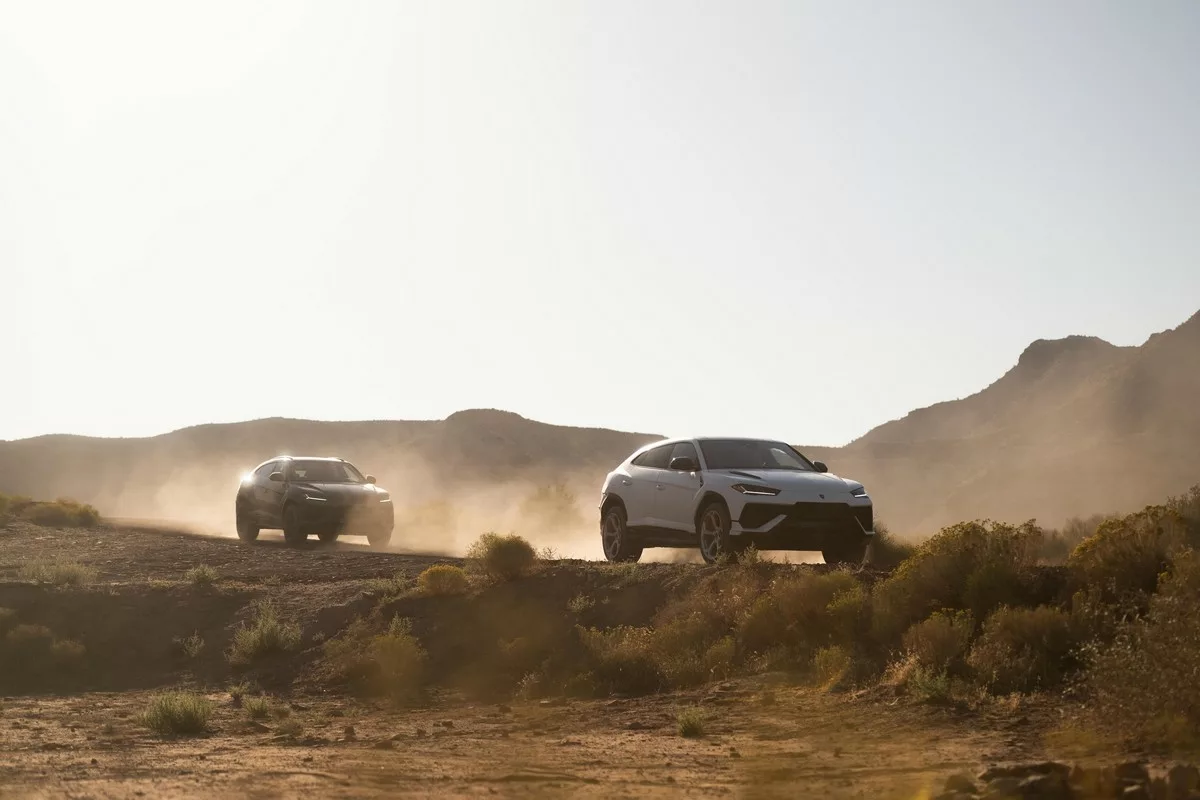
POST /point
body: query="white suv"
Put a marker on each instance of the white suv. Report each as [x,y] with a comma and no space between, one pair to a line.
[726,494]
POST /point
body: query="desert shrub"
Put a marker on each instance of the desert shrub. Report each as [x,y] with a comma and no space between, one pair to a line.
[190,646]
[61,513]
[1144,680]
[886,550]
[1024,649]
[31,654]
[178,713]
[57,573]
[830,665]
[390,664]
[1127,554]
[976,566]
[1058,544]
[804,612]
[690,722]
[503,558]
[257,707]
[940,642]
[623,660]
[202,575]
[265,635]
[5,502]
[580,603]
[442,579]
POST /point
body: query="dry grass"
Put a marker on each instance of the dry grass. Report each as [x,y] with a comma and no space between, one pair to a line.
[389,664]
[202,575]
[178,713]
[690,722]
[57,573]
[61,513]
[265,635]
[442,579]
[502,558]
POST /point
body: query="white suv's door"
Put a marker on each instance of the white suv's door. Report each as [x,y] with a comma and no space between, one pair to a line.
[677,500]
[645,477]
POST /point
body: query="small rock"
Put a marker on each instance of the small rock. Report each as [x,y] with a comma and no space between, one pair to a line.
[94,762]
[1136,791]
[383,744]
[504,709]
[960,783]
[202,757]
[636,725]
[348,731]
[733,753]
[307,759]
[570,743]
[553,701]
[258,727]
[420,733]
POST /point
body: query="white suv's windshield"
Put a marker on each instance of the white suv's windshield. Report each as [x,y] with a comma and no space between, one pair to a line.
[752,454]
[325,472]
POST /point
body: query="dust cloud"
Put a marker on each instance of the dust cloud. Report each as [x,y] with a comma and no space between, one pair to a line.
[557,513]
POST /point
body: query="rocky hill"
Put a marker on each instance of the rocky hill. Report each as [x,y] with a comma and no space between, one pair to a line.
[1077,426]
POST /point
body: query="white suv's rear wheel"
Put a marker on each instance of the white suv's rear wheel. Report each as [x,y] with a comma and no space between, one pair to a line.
[615,537]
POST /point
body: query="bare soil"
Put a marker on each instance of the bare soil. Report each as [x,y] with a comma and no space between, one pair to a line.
[79,733]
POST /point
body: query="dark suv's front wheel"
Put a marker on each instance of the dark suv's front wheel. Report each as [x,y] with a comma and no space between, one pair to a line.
[247,531]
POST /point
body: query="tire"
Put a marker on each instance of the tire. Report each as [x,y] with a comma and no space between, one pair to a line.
[852,553]
[328,537]
[292,532]
[713,529]
[247,531]
[379,538]
[617,542]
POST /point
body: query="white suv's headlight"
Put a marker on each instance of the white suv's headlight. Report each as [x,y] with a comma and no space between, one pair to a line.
[754,489]
[858,491]
[314,498]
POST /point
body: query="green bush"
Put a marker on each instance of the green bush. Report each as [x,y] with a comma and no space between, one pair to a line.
[973,566]
[623,660]
[1143,682]
[184,713]
[1024,649]
[265,635]
[940,642]
[805,612]
[831,665]
[390,664]
[504,558]
[442,579]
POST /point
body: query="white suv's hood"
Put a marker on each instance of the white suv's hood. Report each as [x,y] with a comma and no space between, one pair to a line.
[790,480]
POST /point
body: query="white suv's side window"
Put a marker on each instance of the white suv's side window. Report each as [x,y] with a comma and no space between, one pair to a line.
[684,450]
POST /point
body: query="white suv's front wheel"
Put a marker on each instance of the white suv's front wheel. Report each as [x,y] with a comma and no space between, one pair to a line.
[615,536]
[714,526]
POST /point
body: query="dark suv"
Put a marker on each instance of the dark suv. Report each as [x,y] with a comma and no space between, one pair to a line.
[302,496]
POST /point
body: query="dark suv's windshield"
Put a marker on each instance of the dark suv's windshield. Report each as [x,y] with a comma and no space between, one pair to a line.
[325,472]
[752,454]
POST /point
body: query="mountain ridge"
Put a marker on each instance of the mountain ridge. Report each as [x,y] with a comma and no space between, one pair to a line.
[1077,425]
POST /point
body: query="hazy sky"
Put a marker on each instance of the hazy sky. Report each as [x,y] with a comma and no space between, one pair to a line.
[769,218]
